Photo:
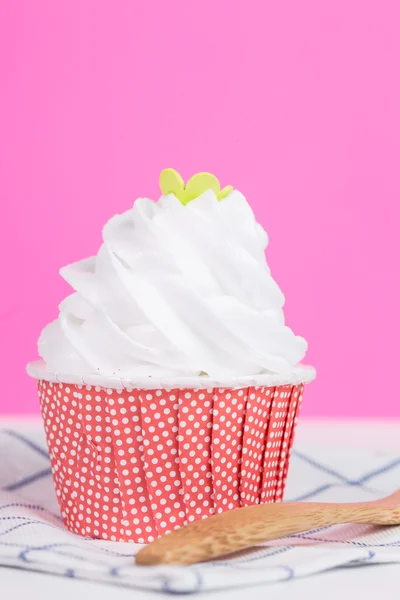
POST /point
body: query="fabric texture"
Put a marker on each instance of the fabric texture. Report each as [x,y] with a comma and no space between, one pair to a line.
[33,537]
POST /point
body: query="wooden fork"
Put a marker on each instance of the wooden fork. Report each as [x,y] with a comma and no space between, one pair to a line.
[245,527]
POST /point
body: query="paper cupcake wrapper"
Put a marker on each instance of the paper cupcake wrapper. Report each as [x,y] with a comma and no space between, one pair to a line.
[133,464]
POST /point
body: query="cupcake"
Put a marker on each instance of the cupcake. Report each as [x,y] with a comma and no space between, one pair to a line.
[169,384]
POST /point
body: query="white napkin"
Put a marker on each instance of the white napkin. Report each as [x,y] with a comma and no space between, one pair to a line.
[32,535]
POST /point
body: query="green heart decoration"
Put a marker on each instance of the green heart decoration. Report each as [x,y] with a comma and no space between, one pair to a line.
[172,183]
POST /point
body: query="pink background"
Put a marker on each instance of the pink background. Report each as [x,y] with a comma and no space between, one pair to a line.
[294,103]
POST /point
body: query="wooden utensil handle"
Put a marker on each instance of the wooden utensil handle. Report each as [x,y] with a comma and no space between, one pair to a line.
[244,527]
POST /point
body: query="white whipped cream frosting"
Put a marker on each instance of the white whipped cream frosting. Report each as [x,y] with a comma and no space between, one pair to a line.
[174,291]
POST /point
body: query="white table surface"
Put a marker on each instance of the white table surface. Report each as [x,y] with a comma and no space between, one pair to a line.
[367,582]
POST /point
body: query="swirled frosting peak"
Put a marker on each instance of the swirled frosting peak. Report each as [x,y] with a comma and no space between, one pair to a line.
[176,289]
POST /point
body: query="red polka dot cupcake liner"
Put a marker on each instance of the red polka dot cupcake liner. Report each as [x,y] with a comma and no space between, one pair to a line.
[132,464]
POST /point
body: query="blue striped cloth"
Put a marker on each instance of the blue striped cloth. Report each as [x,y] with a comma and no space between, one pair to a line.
[32,535]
